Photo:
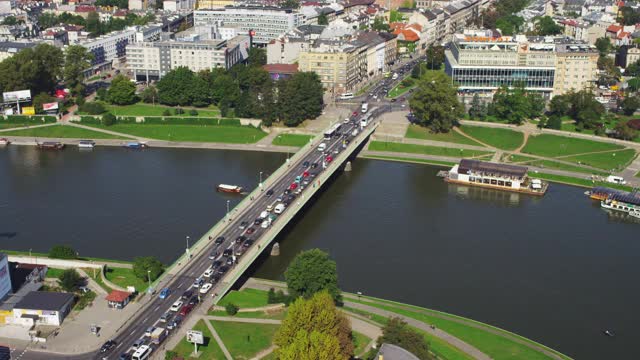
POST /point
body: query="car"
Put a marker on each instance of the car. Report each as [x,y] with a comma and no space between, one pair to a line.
[293,186]
[393,100]
[175,322]
[164,293]
[305,183]
[219,240]
[346,121]
[329,159]
[247,243]
[257,221]
[265,224]
[216,264]
[213,255]
[195,299]
[279,199]
[239,251]
[197,282]
[176,306]
[305,164]
[227,252]
[305,174]
[208,273]
[286,192]
[243,225]
[314,165]
[187,294]
[268,193]
[185,310]
[240,239]
[229,261]
[355,113]
[165,317]
[269,208]
[110,344]
[125,356]
[136,344]
[336,151]
[250,230]
[149,331]
[214,279]
[223,269]
[205,288]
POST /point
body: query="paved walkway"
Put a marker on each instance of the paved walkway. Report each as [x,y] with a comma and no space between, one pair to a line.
[27,127]
[217,338]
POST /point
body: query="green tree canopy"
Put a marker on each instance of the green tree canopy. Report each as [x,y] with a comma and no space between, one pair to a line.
[37,69]
[478,109]
[585,109]
[301,98]
[311,346]
[290,4]
[122,91]
[604,46]
[142,265]
[322,19]
[310,272]
[77,60]
[177,87]
[628,15]
[435,57]
[149,95]
[435,102]
[634,84]
[257,56]
[397,332]
[510,24]
[41,98]
[630,104]
[625,132]
[62,252]
[545,26]
[69,280]
[380,25]
[516,104]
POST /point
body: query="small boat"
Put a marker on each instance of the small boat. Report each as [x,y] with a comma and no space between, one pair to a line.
[136,145]
[4,142]
[229,188]
[51,145]
[86,144]
[609,333]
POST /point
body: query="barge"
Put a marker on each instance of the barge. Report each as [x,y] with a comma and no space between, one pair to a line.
[135,145]
[495,176]
[4,142]
[50,145]
[625,202]
[229,188]
[86,144]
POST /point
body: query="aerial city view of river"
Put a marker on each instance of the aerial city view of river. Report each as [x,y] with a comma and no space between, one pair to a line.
[556,269]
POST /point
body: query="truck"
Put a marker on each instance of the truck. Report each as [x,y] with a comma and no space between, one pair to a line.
[158,335]
[364,108]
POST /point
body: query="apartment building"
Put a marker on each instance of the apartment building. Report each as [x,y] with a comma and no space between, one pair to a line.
[10,48]
[153,60]
[178,5]
[268,23]
[141,4]
[482,61]
[109,47]
[213,4]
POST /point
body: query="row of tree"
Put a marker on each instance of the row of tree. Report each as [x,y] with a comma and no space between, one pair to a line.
[92,23]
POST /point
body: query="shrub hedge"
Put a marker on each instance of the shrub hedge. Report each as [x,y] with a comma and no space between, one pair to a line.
[159,120]
[23,119]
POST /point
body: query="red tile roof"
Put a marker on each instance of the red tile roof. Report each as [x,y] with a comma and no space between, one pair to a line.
[281,68]
[614,28]
[117,296]
[624,34]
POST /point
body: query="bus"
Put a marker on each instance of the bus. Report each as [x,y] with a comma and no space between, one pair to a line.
[346,96]
[142,353]
[332,132]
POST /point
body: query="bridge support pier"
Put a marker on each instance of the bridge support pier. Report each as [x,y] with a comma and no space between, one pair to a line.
[347,166]
[275,249]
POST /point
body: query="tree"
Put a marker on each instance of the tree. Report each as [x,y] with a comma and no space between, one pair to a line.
[122,91]
[435,57]
[181,87]
[93,108]
[554,122]
[310,272]
[315,315]
[142,265]
[509,24]
[397,332]
[435,102]
[290,4]
[93,23]
[545,26]
[630,104]
[231,309]
[77,60]
[108,119]
[634,84]
[585,109]
[478,109]
[311,346]
[515,104]
[10,20]
[628,16]
[41,98]
[380,25]
[62,252]
[36,69]
[560,105]
[604,46]
[257,57]
[322,19]
[625,132]
[69,280]
[299,98]
[149,95]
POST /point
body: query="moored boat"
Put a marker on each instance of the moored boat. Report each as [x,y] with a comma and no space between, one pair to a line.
[51,145]
[624,202]
[635,214]
[86,144]
[4,142]
[229,188]
[136,145]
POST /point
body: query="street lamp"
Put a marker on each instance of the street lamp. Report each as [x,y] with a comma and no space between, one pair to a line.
[228,201]
[188,256]
[260,184]
[30,252]
[149,276]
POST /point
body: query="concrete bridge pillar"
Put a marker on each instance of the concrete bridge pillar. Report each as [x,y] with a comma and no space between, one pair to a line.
[275,250]
[347,166]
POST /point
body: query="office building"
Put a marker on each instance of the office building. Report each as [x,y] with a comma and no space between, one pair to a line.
[213,4]
[109,47]
[43,308]
[268,23]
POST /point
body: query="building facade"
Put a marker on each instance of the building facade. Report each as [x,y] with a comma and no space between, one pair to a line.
[10,48]
[153,60]
[268,23]
[141,4]
[110,47]
[213,4]
[43,308]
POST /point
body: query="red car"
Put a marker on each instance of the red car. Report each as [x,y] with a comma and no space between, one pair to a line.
[293,186]
[186,310]
[305,174]
[355,113]
[250,231]
[329,159]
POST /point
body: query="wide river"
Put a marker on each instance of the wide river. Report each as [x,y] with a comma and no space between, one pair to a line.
[558,269]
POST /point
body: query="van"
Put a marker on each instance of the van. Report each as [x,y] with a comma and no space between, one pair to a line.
[322,147]
[346,96]
[364,121]
[279,208]
[616,180]
[395,76]
[364,108]
[142,353]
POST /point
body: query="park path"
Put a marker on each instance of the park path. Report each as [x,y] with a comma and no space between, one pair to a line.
[114,133]
[215,335]
[92,284]
[27,127]
[459,131]
[524,143]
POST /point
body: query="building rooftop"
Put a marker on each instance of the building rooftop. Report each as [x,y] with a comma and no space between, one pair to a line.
[12,46]
[117,296]
[394,352]
[467,165]
[281,68]
[44,300]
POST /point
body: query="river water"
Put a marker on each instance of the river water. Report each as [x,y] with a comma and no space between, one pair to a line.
[558,269]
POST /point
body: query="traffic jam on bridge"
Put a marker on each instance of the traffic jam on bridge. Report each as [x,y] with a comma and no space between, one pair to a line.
[207,272]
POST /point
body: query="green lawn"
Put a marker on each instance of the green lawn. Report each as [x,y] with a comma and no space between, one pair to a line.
[515,158]
[360,341]
[245,340]
[422,149]
[571,127]
[399,90]
[410,160]
[54,272]
[210,350]
[554,146]
[247,298]
[11,126]
[529,161]
[418,132]
[298,140]
[638,174]
[196,133]
[61,131]
[95,275]
[607,161]
[279,315]
[141,109]
[583,182]
[124,277]
[504,139]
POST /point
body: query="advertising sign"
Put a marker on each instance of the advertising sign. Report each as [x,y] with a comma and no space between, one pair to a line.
[15,96]
[194,336]
[50,106]
[28,110]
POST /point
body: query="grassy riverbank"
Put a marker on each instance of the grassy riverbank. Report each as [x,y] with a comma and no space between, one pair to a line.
[61,131]
[298,140]
[424,149]
[192,133]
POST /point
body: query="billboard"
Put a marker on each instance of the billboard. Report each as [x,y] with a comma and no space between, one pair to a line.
[50,106]
[15,96]
[194,336]
[28,110]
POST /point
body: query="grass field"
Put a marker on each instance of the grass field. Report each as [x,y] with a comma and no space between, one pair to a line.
[245,340]
[124,277]
[61,131]
[298,140]
[11,126]
[607,161]
[141,109]
[360,341]
[54,272]
[553,146]
[210,350]
[583,182]
[410,160]
[529,161]
[398,90]
[422,149]
[247,298]
[418,132]
[95,275]
[504,139]
[279,315]
[195,133]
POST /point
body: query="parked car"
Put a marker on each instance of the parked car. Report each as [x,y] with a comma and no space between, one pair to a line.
[185,310]
[110,344]
[205,288]
[187,294]
[176,305]
[164,293]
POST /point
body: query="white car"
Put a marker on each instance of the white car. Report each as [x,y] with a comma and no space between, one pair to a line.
[205,288]
[265,224]
[176,306]
[208,273]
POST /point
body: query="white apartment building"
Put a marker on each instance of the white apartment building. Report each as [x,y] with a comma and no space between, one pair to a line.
[109,47]
[178,5]
[7,6]
[141,4]
[153,60]
[267,22]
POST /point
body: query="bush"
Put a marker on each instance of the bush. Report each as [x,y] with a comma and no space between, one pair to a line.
[179,111]
[147,266]
[193,112]
[167,112]
[278,297]
[108,119]
[230,122]
[62,252]
[231,309]
[21,119]
[90,120]
[93,108]
[170,355]
[69,280]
